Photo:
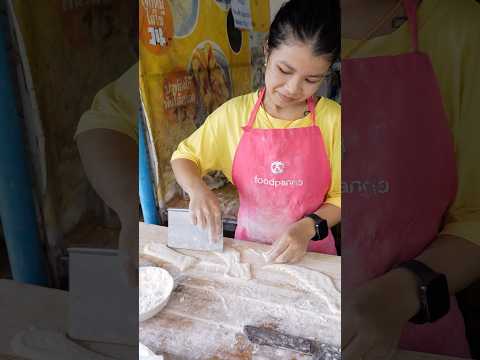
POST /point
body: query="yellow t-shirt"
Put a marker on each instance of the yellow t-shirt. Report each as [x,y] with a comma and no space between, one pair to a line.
[115,107]
[213,145]
[449,32]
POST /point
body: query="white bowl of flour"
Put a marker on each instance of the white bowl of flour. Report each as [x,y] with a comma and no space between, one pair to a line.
[144,353]
[156,285]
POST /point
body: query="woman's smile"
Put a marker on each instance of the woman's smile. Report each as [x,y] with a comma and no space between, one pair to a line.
[285,98]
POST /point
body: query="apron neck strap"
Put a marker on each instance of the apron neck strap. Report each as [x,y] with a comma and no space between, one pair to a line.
[311,109]
[411,11]
[253,113]
[261,96]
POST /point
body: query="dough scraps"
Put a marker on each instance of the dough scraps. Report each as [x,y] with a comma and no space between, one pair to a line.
[235,268]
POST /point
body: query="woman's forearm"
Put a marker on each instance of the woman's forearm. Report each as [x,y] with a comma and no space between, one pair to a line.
[331,213]
[188,175]
[457,258]
[110,160]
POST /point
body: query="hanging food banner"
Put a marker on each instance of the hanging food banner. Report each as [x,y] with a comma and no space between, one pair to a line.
[192,60]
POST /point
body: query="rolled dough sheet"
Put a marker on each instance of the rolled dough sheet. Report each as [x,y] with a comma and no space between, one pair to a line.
[160,252]
[49,345]
[320,284]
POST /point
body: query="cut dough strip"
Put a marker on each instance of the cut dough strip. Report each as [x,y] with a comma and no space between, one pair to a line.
[160,252]
[235,268]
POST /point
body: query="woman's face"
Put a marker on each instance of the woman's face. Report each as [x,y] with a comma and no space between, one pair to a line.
[294,74]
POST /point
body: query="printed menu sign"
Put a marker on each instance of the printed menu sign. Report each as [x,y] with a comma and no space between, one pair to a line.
[156,25]
[241,14]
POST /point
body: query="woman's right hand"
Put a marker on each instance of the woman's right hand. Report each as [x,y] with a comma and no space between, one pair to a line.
[205,209]
[204,204]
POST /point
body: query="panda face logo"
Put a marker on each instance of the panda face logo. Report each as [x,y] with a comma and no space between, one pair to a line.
[277,167]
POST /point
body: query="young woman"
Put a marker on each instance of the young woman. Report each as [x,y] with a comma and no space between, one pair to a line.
[279,145]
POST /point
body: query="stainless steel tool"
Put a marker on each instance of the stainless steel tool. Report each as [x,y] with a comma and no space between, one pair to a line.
[100,298]
[272,338]
[182,234]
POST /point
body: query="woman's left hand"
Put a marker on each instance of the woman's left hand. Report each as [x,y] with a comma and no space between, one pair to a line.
[292,246]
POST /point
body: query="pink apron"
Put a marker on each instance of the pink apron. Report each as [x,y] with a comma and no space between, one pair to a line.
[398,176]
[281,176]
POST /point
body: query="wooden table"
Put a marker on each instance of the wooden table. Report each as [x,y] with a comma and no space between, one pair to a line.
[207,310]
[24,306]
[206,313]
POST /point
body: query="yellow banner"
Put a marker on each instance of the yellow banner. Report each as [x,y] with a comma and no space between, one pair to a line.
[192,60]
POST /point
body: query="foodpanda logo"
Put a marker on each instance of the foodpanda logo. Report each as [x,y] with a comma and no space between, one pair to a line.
[277,167]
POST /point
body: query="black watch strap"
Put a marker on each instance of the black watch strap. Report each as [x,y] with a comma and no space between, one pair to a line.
[423,273]
[432,290]
[321,227]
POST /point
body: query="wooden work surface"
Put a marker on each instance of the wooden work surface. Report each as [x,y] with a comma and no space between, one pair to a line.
[207,310]
[24,306]
[206,313]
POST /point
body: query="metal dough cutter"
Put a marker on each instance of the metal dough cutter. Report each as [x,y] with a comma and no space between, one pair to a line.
[100,298]
[182,234]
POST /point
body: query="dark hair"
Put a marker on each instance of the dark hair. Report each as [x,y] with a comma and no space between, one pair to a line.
[316,22]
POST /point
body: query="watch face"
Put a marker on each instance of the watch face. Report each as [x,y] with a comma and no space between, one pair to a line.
[438,297]
[322,229]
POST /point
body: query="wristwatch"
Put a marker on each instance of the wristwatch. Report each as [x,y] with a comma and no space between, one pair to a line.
[321,227]
[432,290]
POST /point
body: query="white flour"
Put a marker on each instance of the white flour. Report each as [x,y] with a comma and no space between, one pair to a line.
[144,353]
[319,284]
[257,303]
[155,287]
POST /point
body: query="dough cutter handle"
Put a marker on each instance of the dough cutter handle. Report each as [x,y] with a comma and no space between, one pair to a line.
[269,337]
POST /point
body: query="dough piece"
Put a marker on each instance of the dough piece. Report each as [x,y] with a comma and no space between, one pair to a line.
[160,252]
[144,353]
[256,257]
[235,268]
[36,344]
[315,282]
